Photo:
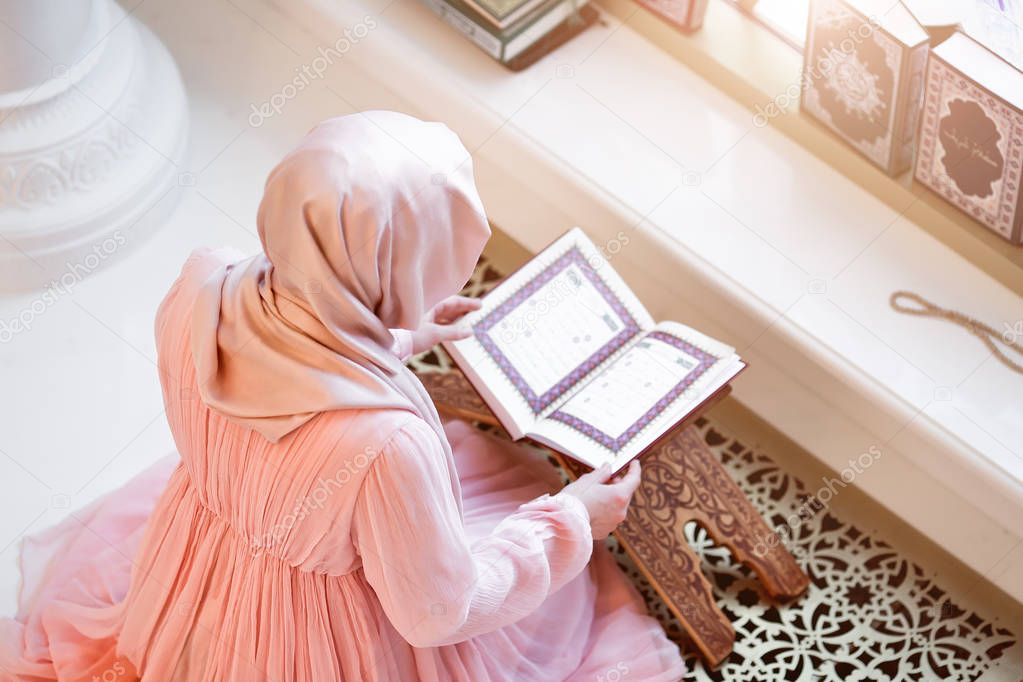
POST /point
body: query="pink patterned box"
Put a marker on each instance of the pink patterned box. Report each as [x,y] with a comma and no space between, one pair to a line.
[971,135]
[686,15]
[863,74]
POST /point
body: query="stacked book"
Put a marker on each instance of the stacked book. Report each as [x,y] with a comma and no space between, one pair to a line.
[971,130]
[504,29]
[864,64]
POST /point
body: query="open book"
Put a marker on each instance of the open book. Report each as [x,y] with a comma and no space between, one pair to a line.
[565,354]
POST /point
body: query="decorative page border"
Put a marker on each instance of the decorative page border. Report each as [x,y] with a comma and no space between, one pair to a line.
[616,444]
[482,330]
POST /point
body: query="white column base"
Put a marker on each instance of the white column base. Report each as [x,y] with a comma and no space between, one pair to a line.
[89,166]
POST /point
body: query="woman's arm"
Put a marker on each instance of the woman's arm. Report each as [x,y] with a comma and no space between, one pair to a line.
[436,586]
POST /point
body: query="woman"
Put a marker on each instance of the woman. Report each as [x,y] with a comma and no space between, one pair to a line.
[321,523]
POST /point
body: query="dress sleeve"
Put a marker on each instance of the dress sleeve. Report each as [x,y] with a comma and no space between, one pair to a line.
[402,346]
[436,584]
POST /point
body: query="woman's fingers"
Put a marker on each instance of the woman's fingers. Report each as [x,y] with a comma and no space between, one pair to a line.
[591,479]
[431,333]
[441,323]
[630,480]
[452,308]
[599,475]
[453,312]
[451,332]
[465,303]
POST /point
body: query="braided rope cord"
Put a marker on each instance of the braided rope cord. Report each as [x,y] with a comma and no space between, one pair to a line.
[988,335]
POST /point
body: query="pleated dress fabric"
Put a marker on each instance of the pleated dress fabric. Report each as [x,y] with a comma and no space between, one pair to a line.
[340,552]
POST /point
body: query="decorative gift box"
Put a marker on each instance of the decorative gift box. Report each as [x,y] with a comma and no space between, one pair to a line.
[971,135]
[863,74]
[686,15]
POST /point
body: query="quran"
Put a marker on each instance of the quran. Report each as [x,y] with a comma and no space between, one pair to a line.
[564,353]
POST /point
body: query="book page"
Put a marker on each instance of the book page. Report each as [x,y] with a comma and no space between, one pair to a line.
[653,384]
[548,327]
[553,330]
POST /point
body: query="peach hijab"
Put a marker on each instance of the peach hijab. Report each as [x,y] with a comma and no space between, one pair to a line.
[371,221]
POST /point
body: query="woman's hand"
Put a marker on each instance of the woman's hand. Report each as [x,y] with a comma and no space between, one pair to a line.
[441,323]
[607,501]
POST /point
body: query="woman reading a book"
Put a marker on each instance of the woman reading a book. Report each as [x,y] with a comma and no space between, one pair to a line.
[321,522]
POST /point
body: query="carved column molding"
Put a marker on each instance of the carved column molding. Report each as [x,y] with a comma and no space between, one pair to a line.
[93,129]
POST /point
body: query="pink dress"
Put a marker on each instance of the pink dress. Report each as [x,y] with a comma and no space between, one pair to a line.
[342,552]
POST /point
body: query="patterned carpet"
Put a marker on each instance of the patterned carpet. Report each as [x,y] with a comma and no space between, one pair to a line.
[870,614]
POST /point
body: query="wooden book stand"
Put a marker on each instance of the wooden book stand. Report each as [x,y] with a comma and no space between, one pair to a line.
[682,481]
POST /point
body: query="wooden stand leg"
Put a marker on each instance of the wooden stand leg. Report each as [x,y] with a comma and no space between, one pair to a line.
[709,496]
[652,536]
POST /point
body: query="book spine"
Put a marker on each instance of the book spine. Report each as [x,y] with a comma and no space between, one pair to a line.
[697,11]
[899,105]
[459,21]
[907,112]
[541,27]
[1018,233]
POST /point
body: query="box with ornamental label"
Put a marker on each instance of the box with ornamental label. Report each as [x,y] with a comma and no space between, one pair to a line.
[685,15]
[863,74]
[971,134]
